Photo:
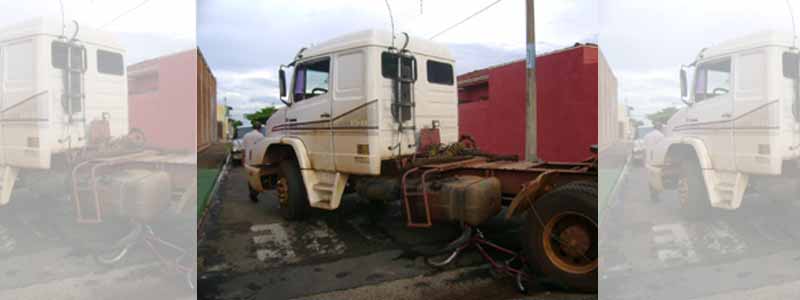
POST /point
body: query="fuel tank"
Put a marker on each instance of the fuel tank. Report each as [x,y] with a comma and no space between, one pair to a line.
[468,199]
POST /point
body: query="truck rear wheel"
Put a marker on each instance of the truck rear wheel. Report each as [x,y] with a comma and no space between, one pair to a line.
[692,192]
[291,190]
[560,240]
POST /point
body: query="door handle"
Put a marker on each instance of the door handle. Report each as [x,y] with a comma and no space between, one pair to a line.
[691,119]
[726,115]
[325,115]
[291,120]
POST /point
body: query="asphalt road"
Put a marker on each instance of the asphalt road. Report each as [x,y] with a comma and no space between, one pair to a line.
[358,251]
[649,251]
[44,254]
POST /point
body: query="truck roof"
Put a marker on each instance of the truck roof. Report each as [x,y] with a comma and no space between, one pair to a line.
[750,41]
[382,39]
[52,27]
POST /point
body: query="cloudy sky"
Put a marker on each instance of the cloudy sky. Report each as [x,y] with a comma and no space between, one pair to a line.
[246,41]
[645,42]
[147,29]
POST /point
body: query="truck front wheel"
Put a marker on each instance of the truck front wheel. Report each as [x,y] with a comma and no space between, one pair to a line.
[291,191]
[560,240]
[692,192]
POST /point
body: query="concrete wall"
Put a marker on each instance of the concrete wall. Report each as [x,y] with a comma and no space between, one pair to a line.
[608,122]
[161,100]
[206,104]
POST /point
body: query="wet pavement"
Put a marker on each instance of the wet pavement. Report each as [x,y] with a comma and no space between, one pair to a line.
[649,251]
[46,255]
[359,251]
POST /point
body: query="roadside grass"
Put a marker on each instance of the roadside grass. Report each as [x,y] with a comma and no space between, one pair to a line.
[206,178]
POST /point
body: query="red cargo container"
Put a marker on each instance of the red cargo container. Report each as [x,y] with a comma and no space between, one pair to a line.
[162,95]
[492,105]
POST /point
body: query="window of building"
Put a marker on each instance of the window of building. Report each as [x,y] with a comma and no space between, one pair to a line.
[142,83]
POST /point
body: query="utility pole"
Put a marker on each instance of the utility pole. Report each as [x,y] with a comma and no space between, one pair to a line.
[530,106]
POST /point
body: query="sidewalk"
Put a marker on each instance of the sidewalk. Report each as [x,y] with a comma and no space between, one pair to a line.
[209,164]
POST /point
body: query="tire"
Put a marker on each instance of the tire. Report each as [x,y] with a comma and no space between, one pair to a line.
[655,196]
[692,193]
[569,211]
[253,194]
[295,206]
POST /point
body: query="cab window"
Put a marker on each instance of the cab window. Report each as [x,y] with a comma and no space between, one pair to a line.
[440,73]
[389,66]
[65,56]
[110,63]
[713,79]
[311,79]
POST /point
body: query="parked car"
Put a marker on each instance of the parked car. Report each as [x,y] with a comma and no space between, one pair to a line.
[237,149]
[638,155]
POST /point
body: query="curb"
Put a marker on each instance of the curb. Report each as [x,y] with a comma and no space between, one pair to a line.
[212,195]
[614,190]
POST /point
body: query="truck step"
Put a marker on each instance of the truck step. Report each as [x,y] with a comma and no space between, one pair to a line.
[323,187]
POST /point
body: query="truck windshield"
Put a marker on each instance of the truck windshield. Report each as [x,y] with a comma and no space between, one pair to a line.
[311,79]
[713,79]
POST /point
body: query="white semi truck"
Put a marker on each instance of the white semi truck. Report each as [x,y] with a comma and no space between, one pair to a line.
[50,92]
[740,130]
[66,145]
[365,112]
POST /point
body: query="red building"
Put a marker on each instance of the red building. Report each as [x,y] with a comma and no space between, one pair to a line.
[162,100]
[492,105]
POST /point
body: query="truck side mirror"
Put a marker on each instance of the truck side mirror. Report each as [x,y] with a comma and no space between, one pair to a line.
[282,85]
[684,88]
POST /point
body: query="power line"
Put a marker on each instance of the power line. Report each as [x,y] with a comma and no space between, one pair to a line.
[465,19]
[125,13]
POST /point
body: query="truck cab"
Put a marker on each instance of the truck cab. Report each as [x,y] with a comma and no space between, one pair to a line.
[55,81]
[351,104]
[740,124]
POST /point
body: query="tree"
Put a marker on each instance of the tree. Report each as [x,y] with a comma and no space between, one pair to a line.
[262,115]
[662,116]
[236,123]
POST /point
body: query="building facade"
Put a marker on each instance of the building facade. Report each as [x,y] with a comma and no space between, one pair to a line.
[161,100]
[207,131]
[492,105]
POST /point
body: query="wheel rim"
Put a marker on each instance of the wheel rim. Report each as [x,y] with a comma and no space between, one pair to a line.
[282,187]
[570,242]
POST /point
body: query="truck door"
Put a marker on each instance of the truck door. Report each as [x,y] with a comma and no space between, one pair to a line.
[19,102]
[351,111]
[710,117]
[309,117]
[757,117]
